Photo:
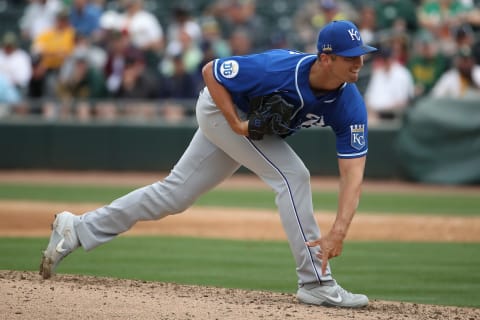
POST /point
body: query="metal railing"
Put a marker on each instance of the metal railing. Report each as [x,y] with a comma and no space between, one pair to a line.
[113,110]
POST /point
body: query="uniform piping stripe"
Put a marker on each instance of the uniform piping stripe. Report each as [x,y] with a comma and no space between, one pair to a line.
[293,205]
[352,154]
[215,73]
[302,103]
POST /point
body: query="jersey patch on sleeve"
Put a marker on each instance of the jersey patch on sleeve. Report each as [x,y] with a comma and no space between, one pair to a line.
[357,134]
[229,69]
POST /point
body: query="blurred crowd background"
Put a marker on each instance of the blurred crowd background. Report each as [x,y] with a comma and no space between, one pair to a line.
[141,59]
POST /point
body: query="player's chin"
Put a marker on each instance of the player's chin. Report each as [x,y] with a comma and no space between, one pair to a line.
[352,77]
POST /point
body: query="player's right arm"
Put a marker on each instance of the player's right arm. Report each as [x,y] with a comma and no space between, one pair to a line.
[223,100]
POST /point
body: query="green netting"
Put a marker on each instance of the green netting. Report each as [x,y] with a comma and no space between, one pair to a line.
[440,141]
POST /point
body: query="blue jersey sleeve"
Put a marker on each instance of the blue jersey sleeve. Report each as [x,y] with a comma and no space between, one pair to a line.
[352,131]
[240,74]
[353,142]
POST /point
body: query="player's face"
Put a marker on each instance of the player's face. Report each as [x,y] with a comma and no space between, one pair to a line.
[346,69]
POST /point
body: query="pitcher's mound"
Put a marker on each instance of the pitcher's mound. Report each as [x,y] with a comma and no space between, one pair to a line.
[25,295]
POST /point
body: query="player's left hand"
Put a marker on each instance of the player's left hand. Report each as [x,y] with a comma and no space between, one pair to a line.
[331,246]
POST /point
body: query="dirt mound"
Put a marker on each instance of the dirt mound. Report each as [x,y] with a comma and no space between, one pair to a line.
[25,295]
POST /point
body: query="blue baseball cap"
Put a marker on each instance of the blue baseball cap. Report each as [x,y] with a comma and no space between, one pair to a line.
[341,37]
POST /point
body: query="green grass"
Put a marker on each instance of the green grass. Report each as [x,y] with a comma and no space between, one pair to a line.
[438,273]
[434,273]
[398,203]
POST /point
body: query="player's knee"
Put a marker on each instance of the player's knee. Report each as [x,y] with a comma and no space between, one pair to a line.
[301,174]
[180,204]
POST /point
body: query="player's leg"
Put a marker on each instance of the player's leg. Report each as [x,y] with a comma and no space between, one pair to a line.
[292,185]
[277,164]
[202,166]
[273,160]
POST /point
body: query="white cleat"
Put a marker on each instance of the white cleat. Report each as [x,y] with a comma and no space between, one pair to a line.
[331,296]
[63,241]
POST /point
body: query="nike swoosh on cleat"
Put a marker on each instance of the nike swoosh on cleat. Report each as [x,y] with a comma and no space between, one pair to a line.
[336,299]
[59,248]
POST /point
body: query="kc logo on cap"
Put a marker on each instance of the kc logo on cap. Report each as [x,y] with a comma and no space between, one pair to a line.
[341,37]
[354,34]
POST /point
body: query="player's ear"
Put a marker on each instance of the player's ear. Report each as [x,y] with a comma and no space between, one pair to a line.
[323,57]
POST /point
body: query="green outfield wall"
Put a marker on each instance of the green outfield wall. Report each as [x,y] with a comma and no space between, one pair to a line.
[141,147]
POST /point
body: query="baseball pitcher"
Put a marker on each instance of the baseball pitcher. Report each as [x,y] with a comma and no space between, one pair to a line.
[248,107]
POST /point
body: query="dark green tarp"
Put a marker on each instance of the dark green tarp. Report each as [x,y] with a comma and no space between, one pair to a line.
[440,141]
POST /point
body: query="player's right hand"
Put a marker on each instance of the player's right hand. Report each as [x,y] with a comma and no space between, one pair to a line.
[331,246]
[242,128]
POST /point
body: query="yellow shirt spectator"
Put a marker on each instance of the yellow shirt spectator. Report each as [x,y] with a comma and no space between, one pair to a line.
[55,44]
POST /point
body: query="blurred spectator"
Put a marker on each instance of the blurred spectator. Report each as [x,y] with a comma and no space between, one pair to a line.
[367,23]
[138,86]
[314,14]
[110,21]
[36,86]
[213,45]
[39,16]
[332,10]
[118,46]
[399,41]
[9,96]
[185,47]
[473,15]
[278,40]
[137,82]
[15,63]
[212,40]
[398,15]
[462,80]
[235,14]
[95,54]
[390,88]
[144,29]
[427,63]
[183,22]
[56,43]
[176,87]
[442,18]
[53,46]
[79,84]
[464,36]
[240,42]
[85,18]
[180,84]
[100,4]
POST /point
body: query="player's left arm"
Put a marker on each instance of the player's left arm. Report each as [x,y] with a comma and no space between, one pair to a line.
[351,178]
